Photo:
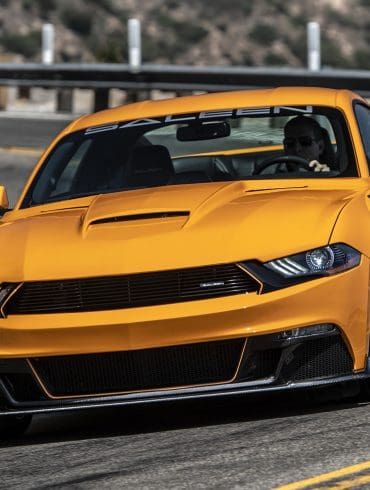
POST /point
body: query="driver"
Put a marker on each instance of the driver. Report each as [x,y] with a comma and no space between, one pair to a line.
[304,138]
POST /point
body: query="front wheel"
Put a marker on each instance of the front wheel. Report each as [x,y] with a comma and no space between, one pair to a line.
[14,425]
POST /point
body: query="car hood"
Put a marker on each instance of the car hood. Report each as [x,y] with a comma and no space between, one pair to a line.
[166,228]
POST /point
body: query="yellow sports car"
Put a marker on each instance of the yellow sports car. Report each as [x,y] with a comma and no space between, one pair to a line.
[201,246]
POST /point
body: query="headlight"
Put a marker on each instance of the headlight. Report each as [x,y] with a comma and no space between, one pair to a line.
[319,261]
[293,269]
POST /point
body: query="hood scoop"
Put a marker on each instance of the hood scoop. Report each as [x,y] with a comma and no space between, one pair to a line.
[141,216]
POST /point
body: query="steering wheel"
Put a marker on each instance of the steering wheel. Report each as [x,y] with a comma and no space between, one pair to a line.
[298,161]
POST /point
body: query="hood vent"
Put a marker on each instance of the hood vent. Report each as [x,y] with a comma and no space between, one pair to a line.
[142,216]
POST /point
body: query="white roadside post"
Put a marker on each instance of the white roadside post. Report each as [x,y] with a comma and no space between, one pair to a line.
[313,46]
[134,44]
[134,56]
[64,97]
[47,43]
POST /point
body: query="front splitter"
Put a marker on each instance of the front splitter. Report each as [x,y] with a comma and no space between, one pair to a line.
[167,396]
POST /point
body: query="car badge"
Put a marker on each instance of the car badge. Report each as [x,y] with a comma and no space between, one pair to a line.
[211,284]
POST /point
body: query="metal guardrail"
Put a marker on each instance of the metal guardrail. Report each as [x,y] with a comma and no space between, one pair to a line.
[103,77]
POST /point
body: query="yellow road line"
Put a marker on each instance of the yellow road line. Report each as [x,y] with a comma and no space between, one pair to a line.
[22,150]
[347,484]
[326,477]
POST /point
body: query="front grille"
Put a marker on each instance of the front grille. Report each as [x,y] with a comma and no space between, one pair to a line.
[259,365]
[308,358]
[22,386]
[115,292]
[147,369]
[318,358]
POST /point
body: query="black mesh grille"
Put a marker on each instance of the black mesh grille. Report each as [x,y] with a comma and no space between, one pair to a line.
[318,358]
[115,292]
[259,365]
[204,363]
[22,386]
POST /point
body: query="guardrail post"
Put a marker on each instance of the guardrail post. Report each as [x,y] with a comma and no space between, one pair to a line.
[65,100]
[24,92]
[101,99]
[3,98]
[137,95]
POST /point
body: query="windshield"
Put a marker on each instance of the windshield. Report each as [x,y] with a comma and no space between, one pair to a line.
[204,147]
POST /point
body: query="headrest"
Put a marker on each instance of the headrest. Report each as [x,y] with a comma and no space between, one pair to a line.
[149,166]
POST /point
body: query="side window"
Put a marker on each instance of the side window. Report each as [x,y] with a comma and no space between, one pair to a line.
[363,118]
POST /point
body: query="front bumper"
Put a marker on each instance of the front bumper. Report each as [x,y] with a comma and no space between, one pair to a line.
[267,364]
[28,341]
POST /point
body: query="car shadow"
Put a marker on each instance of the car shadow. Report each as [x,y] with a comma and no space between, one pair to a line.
[120,421]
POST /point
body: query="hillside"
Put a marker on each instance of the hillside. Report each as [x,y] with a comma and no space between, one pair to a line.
[216,32]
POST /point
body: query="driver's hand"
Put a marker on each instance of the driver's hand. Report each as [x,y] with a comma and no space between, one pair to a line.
[318,167]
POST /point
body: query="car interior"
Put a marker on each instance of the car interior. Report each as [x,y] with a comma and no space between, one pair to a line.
[214,151]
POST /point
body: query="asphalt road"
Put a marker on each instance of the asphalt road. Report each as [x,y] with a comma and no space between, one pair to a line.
[22,140]
[28,131]
[243,444]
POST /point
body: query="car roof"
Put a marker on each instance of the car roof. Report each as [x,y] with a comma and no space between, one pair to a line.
[214,101]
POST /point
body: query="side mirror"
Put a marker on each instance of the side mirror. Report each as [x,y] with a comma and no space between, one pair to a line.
[4,201]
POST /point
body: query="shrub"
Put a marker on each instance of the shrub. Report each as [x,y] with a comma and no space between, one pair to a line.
[339,18]
[331,54]
[280,6]
[173,4]
[244,7]
[46,5]
[152,49]
[27,4]
[29,45]
[298,46]
[77,20]
[274,59]
[110,48]
[112,51]
[264,34]
[299,20]
[188,32]
[247,59]
[107,5]
[361,59]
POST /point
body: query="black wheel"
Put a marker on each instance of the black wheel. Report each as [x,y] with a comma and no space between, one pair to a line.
[14,425]
[297,161]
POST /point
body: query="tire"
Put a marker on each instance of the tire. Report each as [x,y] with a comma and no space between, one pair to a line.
[14,425]
[365,390]
[365,384]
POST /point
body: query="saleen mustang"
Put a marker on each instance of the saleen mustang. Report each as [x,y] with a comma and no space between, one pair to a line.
[184,248]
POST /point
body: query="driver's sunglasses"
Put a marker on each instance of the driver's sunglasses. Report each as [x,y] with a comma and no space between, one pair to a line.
[290,142]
